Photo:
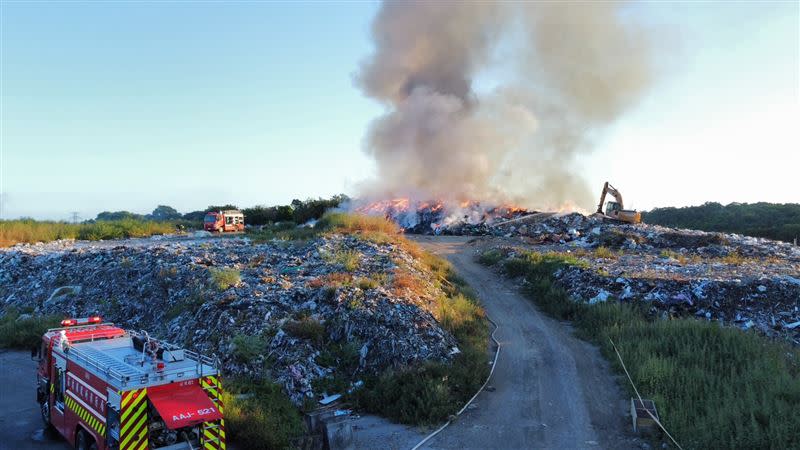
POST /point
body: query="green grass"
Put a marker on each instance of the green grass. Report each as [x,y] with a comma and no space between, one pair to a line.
[714,387]
[224,277]
[491,257]
[259,415]
[348,259]
[604,253]
[31,231]
[24,333]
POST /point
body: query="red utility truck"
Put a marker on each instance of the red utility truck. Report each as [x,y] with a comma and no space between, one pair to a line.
[228,220]
[103,387]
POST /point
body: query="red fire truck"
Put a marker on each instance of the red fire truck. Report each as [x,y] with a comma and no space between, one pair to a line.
[103,387]
[228,220]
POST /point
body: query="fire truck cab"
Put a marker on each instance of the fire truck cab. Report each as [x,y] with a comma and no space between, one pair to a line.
[222,221]
[103,387]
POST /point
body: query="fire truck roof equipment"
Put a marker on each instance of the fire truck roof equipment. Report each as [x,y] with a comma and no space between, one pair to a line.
[111,354]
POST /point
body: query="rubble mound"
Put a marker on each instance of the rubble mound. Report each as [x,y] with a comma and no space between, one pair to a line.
[263,309]
[737,280]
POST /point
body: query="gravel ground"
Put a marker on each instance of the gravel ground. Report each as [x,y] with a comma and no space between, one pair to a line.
[549,389]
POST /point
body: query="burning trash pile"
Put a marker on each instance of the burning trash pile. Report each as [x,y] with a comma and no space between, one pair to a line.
[443,218]
[737,280]
[266,310]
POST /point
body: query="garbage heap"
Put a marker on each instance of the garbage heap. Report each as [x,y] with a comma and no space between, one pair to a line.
[269,309]
[737,280]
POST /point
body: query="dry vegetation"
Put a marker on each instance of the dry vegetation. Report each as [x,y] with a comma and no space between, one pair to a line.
[32,231]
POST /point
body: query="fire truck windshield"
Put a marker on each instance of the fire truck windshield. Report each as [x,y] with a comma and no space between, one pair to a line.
[211,218]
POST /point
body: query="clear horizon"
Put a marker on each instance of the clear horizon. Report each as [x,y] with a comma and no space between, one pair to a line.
[125,106]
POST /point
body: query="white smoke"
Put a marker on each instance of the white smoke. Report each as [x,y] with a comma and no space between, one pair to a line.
[577,68]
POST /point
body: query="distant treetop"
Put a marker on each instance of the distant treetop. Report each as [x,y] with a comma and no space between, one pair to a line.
[779,221]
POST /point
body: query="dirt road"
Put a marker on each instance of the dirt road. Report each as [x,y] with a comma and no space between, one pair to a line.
[551,390]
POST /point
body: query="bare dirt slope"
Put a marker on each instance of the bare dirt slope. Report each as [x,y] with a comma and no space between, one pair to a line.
[551,390]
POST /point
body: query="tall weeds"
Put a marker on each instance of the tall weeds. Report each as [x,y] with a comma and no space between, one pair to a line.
[714,386]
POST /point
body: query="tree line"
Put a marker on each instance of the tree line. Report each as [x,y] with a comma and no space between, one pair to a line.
[298,211]
[779,221]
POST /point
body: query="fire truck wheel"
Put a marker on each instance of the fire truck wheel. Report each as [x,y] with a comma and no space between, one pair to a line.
[45,409]
[81,443]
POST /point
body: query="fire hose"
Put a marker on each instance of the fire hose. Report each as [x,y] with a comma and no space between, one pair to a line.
[491,372]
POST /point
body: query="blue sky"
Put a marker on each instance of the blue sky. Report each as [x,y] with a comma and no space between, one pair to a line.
[126,105]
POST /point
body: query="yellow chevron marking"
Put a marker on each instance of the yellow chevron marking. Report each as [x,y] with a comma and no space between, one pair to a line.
[85,415]
[133,433]
[133,404]
[126,397]
[138,417]
[143,445]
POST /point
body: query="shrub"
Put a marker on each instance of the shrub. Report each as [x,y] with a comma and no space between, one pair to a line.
[259,416]
[365,283]
[491,257]
[603,252]
[306,328]
[248,347]
[224,277]
[348,259]
[733,258]
[26,332]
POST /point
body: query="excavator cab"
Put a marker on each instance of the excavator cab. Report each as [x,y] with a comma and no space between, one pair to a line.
[612,208]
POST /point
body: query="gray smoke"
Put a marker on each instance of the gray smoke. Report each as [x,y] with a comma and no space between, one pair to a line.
[573,68]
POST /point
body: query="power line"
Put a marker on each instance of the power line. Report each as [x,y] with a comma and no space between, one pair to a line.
[74,216]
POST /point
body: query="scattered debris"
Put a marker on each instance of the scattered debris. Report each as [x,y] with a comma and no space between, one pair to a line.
[266,310]
[643,413]
[747,282]
[330,399]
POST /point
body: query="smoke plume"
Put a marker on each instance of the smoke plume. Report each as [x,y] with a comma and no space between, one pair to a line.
[570,69]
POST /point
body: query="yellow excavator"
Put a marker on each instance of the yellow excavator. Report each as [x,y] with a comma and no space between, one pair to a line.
[615,210]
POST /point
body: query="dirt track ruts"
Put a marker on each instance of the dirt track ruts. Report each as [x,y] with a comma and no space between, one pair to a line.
[551,390]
